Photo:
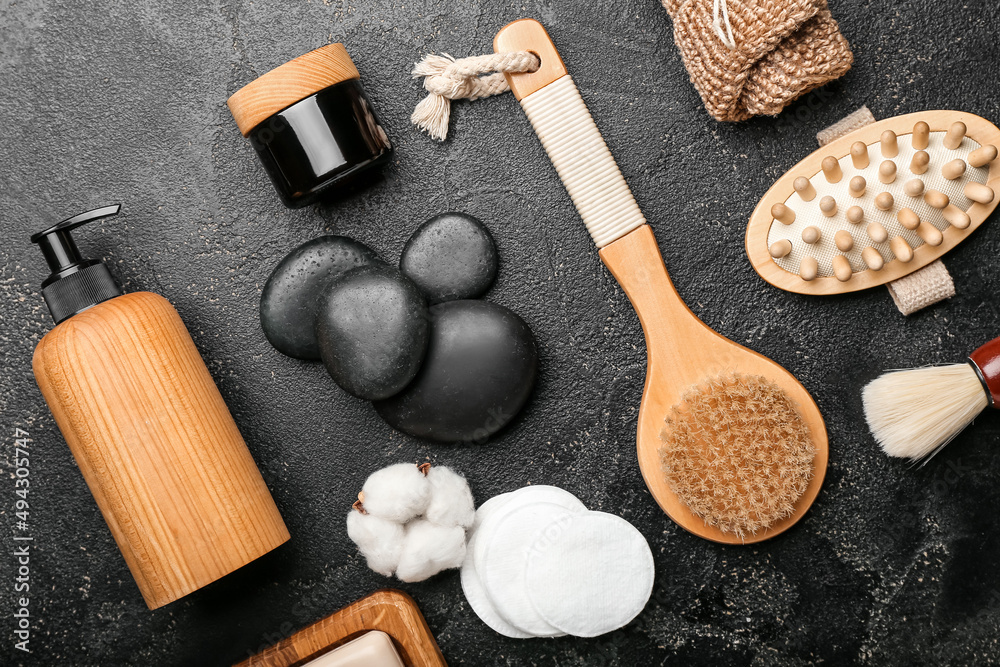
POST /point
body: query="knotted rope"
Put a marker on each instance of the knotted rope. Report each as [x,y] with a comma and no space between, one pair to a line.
[447,79]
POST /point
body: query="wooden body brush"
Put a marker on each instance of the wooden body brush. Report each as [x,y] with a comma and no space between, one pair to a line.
[877,204]
[688,364]
[913,413]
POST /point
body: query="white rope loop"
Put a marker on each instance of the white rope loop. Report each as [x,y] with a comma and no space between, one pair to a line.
[718,23]
[446,79]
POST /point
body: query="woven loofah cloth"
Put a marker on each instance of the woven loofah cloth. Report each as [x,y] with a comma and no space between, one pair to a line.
[783,49]
[737,453]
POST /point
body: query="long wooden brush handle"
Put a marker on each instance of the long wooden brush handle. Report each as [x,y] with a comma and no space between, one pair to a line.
[564,125]
[568,133]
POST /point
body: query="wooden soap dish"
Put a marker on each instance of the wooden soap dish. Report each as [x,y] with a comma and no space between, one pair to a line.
[391,611]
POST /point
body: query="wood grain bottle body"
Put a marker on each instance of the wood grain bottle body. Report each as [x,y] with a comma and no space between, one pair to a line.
[157,445]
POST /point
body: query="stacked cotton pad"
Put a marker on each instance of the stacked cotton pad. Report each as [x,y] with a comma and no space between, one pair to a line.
[539,564]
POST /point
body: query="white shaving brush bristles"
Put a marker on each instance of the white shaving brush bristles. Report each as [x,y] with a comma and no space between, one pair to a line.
[912,413]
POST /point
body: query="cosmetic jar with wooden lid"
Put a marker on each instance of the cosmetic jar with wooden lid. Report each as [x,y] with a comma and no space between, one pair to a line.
[311,124]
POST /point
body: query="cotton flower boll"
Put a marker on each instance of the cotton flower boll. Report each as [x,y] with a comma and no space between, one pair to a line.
[397,493]
[451,499]
[379,540]
[428,549]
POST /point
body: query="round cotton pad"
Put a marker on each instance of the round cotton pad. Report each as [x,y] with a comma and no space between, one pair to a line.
[593,576]
[502,557]
[472,586]
[523,496]
[543,493]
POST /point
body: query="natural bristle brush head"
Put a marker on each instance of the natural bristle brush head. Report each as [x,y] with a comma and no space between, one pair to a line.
[737,453]
[912,413]
[906,189]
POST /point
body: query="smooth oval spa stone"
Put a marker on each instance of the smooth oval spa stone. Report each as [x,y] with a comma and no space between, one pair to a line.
[372,329]
[478,373]
[451,256]
[291,295]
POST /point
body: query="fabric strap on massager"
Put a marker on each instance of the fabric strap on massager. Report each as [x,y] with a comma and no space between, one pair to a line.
[923,287]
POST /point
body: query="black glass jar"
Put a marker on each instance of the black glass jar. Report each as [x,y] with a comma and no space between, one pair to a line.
[311,124]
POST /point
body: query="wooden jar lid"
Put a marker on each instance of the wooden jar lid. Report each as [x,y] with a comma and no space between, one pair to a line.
[287,84]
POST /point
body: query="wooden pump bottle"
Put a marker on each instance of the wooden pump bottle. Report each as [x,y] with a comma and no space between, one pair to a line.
[148,427]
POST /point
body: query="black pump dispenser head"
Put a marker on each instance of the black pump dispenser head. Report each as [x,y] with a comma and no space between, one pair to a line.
[75,283]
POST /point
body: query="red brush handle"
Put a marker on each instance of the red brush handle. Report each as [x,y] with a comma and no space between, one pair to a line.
[987,362]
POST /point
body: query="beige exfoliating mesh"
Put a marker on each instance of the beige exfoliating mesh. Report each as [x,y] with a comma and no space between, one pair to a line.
[808,213]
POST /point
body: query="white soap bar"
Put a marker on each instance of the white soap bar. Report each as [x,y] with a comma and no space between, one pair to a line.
[372,649]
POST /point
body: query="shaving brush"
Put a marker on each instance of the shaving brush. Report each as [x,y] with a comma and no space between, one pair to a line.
[913,413]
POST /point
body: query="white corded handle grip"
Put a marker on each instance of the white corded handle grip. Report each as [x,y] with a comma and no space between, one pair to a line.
[562,122]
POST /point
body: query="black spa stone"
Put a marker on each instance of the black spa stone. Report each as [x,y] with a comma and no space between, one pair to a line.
[478,373]
[290,297]
[451,256]
[372,330]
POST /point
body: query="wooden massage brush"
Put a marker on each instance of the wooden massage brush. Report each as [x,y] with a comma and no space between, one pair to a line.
[730,444]
[877,204]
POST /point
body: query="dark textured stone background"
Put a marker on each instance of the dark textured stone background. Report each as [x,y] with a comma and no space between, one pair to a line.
[109,101]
